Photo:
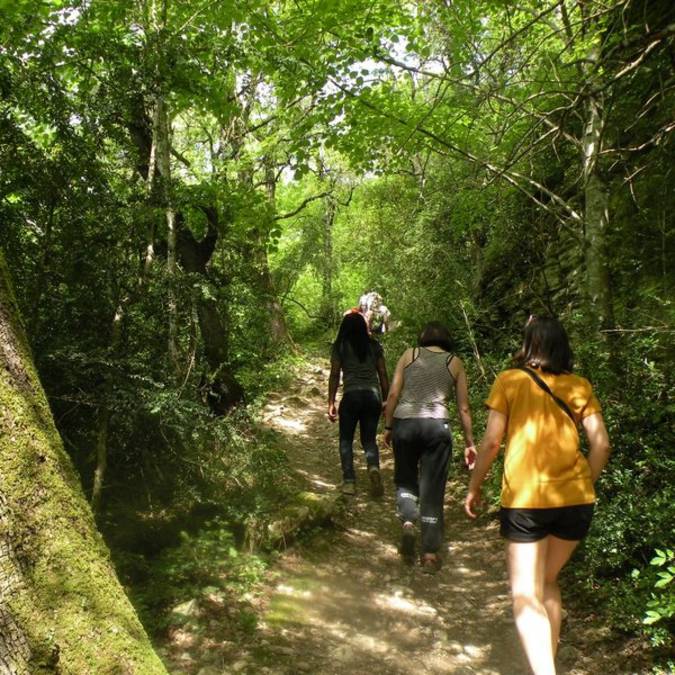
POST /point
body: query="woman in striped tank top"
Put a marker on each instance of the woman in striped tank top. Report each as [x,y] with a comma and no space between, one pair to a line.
[417,420]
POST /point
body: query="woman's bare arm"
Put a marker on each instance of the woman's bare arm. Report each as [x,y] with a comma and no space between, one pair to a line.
[463,409]
[598,439]
[333,384]
[489,447]
[394,392]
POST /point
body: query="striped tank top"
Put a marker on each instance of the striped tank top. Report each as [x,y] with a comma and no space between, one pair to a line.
[427,386]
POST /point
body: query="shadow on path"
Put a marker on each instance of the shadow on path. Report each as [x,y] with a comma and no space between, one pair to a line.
[345,602]
[342,601]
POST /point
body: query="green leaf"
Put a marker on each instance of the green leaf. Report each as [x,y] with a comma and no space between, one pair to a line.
[665,579]
[658,559]
[651,617]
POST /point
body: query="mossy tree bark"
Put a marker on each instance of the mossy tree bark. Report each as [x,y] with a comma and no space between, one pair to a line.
[62,608]
[596,221]
[595,185]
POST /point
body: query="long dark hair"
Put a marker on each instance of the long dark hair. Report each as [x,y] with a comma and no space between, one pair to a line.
[545,345]
[353,331]
[435,334]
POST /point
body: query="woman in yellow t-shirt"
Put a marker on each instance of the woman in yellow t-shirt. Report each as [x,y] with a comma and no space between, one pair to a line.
[547,486]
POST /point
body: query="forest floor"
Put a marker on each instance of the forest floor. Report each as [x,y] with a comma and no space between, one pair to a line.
[340,600]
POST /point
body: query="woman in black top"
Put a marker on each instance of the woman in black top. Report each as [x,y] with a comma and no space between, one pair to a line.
[360,359]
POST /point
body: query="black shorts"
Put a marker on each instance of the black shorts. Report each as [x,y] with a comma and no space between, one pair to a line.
[564,522]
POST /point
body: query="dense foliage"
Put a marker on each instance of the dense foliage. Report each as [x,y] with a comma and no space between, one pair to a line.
[189,190]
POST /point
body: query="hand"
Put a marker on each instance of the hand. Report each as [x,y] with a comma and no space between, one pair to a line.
[332,412]
[472,503]
[470,455]
[386,439]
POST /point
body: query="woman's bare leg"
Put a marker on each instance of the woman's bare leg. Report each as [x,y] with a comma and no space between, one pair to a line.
[527,564]
[558,553]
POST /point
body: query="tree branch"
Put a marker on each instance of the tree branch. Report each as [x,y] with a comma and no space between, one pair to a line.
[299,304]
[307,201]
[527,26]
[513,177]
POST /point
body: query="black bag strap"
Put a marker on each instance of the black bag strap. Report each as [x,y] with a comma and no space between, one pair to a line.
[547,389]
[415,355]
[448,361]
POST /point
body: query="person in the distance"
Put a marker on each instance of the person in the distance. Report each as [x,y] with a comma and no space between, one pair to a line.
[360,360]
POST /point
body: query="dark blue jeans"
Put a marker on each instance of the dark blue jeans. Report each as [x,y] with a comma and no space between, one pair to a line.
[422,450]
[362,407]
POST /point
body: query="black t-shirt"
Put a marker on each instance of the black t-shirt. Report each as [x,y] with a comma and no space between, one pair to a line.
[358,374]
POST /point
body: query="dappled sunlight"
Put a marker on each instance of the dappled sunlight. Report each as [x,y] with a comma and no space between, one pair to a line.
[536,442]
[344,601]
[321,483]
[285,589]
[399,603]
[292,425]
[361,534]
[371,644]
[527,433]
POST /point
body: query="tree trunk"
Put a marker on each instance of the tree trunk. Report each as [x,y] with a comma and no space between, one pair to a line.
[223,390]
[162,141]
[596,216]
[597,276]
[596,190]
[327,300]
[15,650]
[278,330]
[62,608]
[104,410]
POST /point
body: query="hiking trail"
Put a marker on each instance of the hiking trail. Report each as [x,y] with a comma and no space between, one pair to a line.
[340,600]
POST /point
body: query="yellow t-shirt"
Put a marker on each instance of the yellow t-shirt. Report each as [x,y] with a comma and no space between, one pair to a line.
[543,466]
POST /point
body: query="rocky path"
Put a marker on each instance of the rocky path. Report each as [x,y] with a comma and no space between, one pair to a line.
[341,600]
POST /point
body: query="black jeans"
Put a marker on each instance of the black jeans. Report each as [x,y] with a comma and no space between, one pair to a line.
[422,450]
[362,406]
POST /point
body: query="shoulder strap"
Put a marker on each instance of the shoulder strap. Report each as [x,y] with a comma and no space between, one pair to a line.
[542,385]
[448,361]
[415,356]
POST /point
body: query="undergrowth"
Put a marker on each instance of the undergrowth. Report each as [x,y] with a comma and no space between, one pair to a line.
[199,535]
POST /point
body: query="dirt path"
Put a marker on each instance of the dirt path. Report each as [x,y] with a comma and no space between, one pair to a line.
[342,601]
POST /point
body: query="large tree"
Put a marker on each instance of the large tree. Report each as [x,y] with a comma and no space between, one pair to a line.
[62,608]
